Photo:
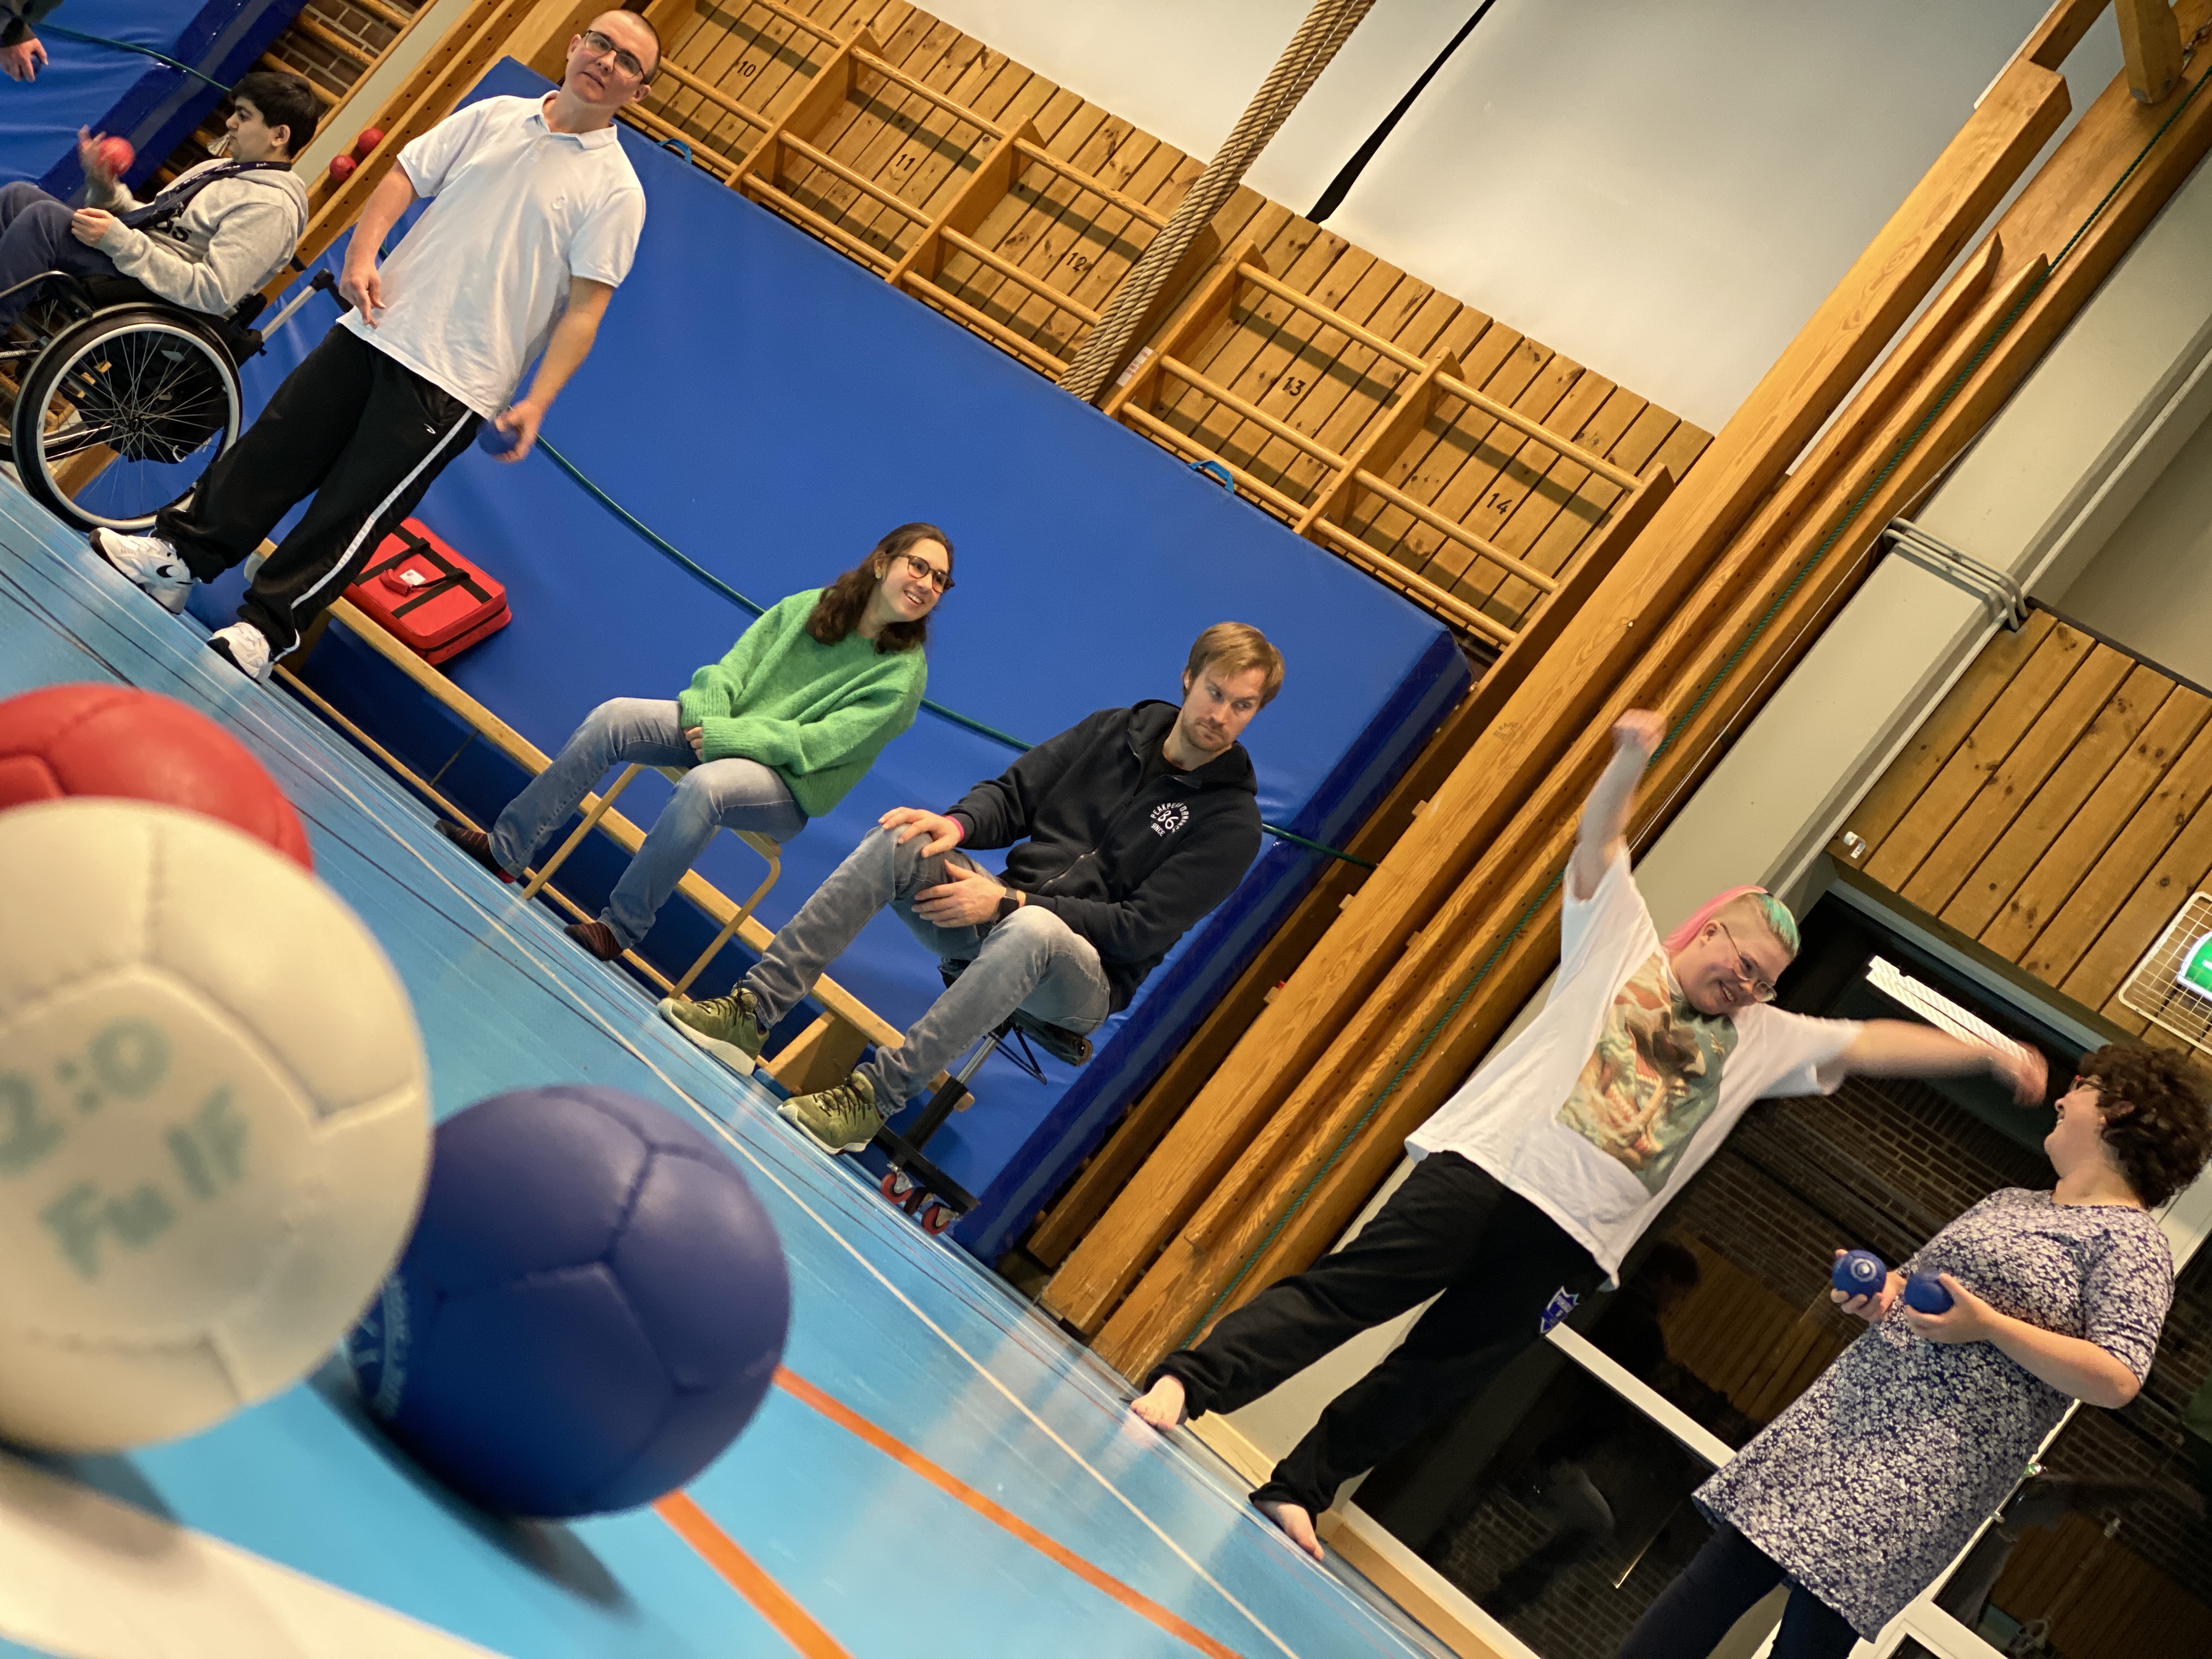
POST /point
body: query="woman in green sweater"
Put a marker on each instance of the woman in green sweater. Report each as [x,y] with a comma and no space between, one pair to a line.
[771,736]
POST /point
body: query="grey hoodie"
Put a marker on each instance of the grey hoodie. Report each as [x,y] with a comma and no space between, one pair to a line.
[231,237]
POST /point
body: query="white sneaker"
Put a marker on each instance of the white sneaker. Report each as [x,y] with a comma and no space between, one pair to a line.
[149,562]
[245,647]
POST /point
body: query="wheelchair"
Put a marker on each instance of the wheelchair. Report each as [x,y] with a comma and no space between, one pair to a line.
[121,399]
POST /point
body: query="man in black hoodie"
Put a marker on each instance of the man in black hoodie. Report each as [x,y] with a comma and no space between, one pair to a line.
[1132,826]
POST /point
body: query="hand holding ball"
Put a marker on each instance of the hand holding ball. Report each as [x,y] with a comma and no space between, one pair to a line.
[495,440]
[116,155]
[1925,1292]
[1860,1272]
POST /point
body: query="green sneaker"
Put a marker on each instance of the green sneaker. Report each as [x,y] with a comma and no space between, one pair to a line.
[727,1027]
[841,1119]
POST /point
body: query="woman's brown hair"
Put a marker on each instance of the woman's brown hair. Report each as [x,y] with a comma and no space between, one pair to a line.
[2155,1121]
[842,604]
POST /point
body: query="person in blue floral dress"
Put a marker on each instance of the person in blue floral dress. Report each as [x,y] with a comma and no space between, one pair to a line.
[1865,1488]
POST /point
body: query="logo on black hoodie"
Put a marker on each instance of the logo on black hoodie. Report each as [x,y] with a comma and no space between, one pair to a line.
[1169,817]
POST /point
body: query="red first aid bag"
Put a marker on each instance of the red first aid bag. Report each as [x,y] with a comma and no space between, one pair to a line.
[428,597]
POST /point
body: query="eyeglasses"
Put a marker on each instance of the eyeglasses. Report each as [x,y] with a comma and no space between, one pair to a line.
[598,46]
[1747,969]
[2080,1081]
[922,570]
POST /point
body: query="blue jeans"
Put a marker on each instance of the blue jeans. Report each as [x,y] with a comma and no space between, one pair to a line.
[35,236]
[722,794]
[1032,960]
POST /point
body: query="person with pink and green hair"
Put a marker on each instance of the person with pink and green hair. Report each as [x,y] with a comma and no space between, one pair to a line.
[1534,1179]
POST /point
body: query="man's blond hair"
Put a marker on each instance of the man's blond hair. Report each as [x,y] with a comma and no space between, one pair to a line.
[1230,647]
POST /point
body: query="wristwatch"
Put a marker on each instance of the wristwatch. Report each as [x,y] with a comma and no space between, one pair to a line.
[1007,906]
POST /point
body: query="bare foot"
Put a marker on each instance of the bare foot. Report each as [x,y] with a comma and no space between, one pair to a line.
[1161,1405]
[1297,1525]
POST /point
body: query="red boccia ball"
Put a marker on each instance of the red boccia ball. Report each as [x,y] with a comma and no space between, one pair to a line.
[342,168]
[116,155]
[369,139]
[98,740]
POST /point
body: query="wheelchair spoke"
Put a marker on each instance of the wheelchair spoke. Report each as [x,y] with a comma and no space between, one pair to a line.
[75,440]
[131,408]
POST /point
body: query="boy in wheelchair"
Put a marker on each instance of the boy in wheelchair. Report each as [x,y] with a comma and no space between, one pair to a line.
[219,231]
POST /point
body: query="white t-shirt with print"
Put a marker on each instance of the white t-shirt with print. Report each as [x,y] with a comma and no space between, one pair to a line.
[1614,1096]
[472,292]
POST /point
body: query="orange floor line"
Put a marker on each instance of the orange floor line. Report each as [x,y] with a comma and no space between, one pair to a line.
[846,1418]
[769,1599]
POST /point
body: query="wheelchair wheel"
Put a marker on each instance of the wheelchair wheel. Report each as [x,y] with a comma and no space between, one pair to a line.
[120,415]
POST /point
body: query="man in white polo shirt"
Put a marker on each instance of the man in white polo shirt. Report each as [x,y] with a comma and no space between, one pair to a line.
[534,220]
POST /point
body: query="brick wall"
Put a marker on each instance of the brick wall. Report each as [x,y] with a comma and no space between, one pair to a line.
[304,48]
[1583,1613]
[2165,1528]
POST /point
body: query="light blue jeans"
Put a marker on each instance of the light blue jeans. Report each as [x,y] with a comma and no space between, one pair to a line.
[1032,960]
[722,794]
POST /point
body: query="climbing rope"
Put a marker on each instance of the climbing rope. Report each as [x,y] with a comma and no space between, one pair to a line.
[1325,29]
[1905,446]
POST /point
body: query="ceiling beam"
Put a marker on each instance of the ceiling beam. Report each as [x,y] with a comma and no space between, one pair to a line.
[2061,31]
[2150,38]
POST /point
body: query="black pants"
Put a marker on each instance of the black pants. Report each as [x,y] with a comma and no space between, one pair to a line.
[1718,1587]
[365,434]
[34,237]
[1450,1227]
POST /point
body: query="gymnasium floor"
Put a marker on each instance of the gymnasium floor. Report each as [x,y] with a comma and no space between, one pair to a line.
[940,1469]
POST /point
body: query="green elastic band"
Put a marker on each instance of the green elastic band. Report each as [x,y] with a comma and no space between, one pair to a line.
[125,46]
[701,573]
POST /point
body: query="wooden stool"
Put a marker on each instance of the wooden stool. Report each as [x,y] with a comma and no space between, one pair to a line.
[768,849]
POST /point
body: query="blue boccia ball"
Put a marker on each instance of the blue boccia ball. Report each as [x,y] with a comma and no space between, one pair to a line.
[1925,1292]
[493,441]
[1860,1272]
[593,1305]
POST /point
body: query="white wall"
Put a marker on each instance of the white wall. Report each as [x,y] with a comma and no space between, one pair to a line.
[1664,192]
[2150,585]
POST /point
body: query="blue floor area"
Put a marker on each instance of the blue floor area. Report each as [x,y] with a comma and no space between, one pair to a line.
[909,1333]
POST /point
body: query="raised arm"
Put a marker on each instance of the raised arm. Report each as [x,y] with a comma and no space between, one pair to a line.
[1601,838]
[1897,1047]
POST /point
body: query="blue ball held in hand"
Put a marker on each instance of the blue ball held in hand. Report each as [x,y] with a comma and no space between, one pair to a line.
[1860,1272]
[493,441]
[1925,1292]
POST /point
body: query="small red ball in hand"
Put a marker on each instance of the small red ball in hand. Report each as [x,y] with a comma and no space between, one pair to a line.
[342,168]
[369,139]
[115,155]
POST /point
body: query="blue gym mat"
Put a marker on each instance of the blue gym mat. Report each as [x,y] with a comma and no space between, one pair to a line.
[926,1347]
[772,408]
[109,89]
